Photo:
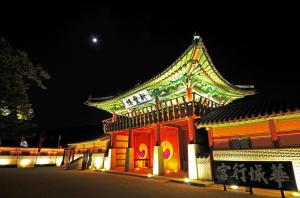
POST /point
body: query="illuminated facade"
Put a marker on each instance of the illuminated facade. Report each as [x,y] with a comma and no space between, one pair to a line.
[30,157]
[184,121]
[153,125]
[266,131]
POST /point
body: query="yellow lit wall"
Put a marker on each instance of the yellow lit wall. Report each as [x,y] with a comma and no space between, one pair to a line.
[121,144]
[8,160]
[13,157]
[110,160]
[241,130]
[29,161]
[26,161]
[121,138]
[93,145]
[288,125]
[98,161]
[58,160]
[204,168]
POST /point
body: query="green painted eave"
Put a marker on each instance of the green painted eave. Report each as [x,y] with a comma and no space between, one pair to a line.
[114,103]
[205,75]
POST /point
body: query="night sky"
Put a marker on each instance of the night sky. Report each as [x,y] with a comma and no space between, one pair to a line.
[251,44]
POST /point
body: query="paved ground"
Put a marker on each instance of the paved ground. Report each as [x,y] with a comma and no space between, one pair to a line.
[53,182]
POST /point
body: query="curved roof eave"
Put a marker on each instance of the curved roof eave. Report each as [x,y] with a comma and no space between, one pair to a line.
[105,102]
[234,88]
[144,85]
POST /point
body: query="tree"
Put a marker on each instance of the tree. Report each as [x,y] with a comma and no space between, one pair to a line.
[17,75]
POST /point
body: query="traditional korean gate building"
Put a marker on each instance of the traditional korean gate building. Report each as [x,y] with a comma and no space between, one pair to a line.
[153,125]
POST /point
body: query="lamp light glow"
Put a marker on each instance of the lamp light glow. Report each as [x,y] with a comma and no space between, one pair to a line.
[97,162]
[43,161]
[58,162]
[4,162]
[186,180]
[25,162]
[296,194]
[235,187]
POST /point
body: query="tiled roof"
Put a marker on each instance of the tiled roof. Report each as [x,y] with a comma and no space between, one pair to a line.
[251,108]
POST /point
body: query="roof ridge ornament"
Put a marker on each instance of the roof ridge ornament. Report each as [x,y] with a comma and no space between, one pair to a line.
[197,40]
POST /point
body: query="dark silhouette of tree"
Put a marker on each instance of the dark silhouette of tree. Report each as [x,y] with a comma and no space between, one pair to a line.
[17,75]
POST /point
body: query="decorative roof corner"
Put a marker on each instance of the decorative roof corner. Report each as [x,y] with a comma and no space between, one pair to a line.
[245,86]
[197,39]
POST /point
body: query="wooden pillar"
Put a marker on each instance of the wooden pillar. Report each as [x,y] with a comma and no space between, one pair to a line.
[158,160]
[210,137]
[112,140]
[130,138]
[129,160]
[73,153]
[114,116]
[191,130]
[157,103]
[211,144]
[157,134]
[189,93]
[273,132]
[180,157]
[193,149]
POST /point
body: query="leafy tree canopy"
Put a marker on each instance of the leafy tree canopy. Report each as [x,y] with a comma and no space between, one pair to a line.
[17,75]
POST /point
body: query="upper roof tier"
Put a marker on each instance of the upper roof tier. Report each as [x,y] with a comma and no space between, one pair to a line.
[193,69]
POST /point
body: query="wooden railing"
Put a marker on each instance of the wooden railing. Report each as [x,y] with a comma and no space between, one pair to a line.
[170,110]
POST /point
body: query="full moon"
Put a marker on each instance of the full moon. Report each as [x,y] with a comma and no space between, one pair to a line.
[94,40]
